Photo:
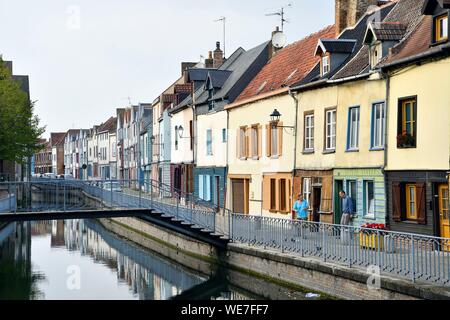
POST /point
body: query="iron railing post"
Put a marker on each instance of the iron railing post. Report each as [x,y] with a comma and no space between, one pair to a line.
[151,194]
[282,237]
[324,243]
[64,191]
[9,197]
[112,203]
[140,193]
[413,271]
[178,202]
[350,247]
[57,196]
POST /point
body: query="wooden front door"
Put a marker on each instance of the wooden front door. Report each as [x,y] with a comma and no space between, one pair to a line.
[444,215]
[240,196]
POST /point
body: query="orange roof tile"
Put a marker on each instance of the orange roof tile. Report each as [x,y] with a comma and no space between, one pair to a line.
[288,66]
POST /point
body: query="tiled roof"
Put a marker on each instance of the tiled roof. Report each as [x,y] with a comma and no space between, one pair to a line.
[388,31]
[406,12]
[110,125]
[57,138]
[288,66]
[416,45]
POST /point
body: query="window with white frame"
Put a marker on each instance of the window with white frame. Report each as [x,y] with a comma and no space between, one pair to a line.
[369,199]
[378,125]
[309,132]
[325,64]
[224,135]
[352,190]
[330,130]
[255,140]
[307,189]
[204,187]
[353,131]
[273,140]
[209,151]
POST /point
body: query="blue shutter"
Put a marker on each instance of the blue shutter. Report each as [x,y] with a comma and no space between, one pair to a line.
[208,188]
[200,186]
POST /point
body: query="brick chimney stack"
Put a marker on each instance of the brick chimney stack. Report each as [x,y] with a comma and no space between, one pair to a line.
[348,12]
[209,63]
[218,56]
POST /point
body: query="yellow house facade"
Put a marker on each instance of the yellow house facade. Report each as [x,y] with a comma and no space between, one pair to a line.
[261,157]
[337,149]
[417,170]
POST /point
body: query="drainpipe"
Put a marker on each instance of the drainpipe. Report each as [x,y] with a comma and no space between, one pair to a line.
[295,139]
[386,75]
[227,161]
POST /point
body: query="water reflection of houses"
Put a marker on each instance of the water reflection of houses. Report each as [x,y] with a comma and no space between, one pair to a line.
[148,276]
[15,263]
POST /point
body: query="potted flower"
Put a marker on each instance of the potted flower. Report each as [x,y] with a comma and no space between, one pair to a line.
[372,236]
[406,140]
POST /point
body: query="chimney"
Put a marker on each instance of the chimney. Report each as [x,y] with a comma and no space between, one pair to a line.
[272,49]
[348,12]
[218,56]
[209,63]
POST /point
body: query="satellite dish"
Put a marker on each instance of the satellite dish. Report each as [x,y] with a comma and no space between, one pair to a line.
[279,40]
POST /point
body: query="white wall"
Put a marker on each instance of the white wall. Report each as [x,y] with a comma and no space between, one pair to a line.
[216,122]
[184,153]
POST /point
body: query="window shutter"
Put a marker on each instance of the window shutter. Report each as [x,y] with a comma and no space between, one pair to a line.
[266,193]
[238,143]
[259,141]
[247,142]
[200,186]
[280,139]
[421,203]
[268,153]
[396,202]
[208,188]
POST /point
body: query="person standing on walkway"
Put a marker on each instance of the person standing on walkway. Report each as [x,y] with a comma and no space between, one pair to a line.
[347,208]
[301,207]
[347,214]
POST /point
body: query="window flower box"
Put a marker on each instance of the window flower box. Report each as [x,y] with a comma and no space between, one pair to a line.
[369,238]
[406,140]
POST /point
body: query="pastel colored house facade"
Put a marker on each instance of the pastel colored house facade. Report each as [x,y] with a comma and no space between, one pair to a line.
[221,87]
[342,123]
[419,125]
[261,156]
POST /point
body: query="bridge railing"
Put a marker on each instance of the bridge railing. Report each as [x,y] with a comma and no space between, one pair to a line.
[150,194]
[417,257]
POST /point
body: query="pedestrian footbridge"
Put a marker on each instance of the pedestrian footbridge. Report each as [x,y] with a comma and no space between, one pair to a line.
[50,199]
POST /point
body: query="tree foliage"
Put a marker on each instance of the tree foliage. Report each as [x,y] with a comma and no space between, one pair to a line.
[19,128]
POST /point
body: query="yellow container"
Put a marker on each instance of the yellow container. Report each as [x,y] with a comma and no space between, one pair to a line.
[370,241]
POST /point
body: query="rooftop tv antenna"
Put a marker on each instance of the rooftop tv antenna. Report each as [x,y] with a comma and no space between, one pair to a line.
[281,13]
[224,21]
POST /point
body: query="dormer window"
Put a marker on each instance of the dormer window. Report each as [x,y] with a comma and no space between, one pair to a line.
[375,54]
[325,64]
[441,28]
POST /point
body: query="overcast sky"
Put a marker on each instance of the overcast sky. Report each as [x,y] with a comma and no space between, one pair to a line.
[85,58]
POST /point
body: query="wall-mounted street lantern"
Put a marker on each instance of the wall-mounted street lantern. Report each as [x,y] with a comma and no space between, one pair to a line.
[275,120]
[153,139]
[180,133]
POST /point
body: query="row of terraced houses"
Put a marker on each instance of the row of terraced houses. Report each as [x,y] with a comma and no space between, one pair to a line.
[362,105]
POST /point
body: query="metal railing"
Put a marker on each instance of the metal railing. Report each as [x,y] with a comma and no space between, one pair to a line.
[417,257]
[66,195]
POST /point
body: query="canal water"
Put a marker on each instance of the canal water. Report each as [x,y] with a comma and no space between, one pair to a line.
[81,260]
